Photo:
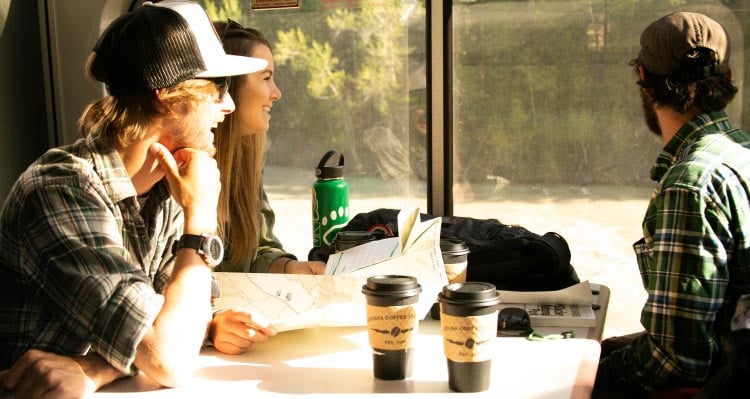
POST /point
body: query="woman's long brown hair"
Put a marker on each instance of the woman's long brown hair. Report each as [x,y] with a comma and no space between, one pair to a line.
[240,157]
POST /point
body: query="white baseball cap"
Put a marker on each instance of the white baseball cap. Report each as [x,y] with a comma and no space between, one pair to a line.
[161,44]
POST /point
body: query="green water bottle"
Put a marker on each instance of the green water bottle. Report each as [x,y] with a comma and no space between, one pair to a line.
[330,199]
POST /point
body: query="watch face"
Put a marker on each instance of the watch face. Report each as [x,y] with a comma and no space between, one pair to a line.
[214,249]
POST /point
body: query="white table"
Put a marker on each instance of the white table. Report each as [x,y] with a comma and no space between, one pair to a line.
[327,362]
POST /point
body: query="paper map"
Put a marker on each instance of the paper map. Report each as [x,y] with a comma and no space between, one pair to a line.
[295,301]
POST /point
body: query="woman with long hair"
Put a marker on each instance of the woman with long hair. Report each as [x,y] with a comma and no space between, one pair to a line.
[246,219]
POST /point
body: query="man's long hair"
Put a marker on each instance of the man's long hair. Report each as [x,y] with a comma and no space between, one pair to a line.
[124,120]
[688,88]
[240,157]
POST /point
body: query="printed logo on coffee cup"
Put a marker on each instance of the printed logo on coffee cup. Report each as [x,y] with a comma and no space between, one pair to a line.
[469,338]
[456,272]
[391,327]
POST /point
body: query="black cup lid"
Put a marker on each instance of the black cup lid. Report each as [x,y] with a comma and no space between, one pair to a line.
[355,236]
[474,292]
[392,284]
[451,245]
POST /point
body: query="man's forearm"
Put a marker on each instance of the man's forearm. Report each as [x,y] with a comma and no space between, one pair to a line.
[57,375]
[168,351]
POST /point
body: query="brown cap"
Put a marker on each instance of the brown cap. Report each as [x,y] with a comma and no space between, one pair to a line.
[666,41]
[161,44]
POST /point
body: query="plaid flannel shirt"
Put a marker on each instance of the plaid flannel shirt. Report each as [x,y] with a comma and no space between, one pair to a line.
[694,258]
[81,261]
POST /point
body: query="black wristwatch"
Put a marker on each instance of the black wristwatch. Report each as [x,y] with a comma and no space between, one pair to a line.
[208,246]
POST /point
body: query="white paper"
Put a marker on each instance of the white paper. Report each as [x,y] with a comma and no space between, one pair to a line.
[556,315]
[577,294]
[363,255]
[568,307]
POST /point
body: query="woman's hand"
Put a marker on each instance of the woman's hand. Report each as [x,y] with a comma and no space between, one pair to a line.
[291,266]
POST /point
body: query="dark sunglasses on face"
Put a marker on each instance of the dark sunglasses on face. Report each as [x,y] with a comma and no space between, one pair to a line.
[222,85]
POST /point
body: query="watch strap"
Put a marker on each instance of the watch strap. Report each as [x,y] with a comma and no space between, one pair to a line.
[193,241]
[204,245]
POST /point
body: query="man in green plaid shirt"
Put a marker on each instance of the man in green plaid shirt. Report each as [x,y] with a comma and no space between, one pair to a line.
[694,257]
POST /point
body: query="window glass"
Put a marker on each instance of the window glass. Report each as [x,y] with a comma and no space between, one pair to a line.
[548,127]
[352,77]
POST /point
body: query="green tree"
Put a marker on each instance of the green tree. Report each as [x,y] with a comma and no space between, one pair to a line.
[349,69]
[542,91]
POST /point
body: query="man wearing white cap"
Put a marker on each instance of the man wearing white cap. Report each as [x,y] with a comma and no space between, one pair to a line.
[694,257]
[107,245]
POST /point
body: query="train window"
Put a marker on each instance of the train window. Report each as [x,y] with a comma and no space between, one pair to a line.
[548,129]
[352,77]
[545,118]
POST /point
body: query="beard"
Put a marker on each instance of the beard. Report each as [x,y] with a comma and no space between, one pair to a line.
[193,130]
[649,113]
[198,141]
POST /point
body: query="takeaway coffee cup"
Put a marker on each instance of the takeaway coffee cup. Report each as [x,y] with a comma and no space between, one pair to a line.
[468,320]
[392,324]
[455,257]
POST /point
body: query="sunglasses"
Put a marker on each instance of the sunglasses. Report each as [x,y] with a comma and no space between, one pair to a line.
[515,322]
[222,85]
[231,25]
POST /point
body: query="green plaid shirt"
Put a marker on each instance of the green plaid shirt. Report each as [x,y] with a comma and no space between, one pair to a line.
[81,260]
[694,258]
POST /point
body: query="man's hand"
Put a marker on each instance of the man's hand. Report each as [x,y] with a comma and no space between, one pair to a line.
[234,331]
[194,182]
[39,374]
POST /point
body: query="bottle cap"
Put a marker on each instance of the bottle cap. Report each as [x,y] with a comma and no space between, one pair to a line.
[327,170]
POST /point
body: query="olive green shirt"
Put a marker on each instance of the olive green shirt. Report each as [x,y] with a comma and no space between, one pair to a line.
[269,246]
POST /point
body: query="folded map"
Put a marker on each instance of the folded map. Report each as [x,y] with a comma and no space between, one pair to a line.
[295,301]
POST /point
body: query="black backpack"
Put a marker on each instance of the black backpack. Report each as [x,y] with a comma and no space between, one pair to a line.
[510,257]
